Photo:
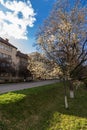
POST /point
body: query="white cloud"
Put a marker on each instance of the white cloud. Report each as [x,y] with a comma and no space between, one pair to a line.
[13,25]
[23,45]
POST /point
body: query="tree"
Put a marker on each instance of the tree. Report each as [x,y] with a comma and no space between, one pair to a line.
[6,67]
[81,74]
[24,72]
[63,38]
[41,67]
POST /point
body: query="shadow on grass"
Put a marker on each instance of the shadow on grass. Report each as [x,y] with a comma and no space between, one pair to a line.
[42,108]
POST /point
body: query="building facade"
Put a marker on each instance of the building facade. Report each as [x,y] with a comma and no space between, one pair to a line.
[8,51]
[22,58]
[12,56]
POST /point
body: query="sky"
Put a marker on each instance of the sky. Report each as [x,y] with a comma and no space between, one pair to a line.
[20,19]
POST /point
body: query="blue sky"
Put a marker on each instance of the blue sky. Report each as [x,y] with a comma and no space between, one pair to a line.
[20,19]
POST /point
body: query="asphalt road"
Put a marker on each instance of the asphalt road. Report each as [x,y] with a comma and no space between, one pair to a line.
[20,86]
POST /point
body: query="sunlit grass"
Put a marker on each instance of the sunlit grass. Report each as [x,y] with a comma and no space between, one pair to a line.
[67,122]
[10,98]
[42,108]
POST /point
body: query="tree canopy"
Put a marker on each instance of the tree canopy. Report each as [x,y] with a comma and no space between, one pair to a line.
[62,37]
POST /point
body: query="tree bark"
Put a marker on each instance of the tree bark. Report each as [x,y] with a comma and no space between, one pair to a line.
[71,89]
[66,102]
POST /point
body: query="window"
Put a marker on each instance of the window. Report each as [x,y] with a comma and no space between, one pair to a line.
[5,47]
[1,55]
[1,46]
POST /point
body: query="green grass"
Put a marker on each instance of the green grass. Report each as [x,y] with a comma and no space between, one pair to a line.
[42,108]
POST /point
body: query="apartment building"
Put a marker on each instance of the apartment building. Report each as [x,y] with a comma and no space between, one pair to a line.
[14,57]
[22,66]
[8,51]
[21,58]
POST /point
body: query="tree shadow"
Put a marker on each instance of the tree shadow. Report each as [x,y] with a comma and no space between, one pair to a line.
[47,104]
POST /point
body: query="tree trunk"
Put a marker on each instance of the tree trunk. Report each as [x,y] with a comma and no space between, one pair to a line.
[66,102]
[71,94]
[71,89]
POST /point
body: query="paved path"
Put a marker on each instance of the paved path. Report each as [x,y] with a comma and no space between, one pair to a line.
[19,86]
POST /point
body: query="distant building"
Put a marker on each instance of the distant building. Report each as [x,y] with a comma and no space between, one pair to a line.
[21,58]
[16,59]
[7,50]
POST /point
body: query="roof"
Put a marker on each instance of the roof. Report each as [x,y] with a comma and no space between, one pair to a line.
[6,41]
[22,55]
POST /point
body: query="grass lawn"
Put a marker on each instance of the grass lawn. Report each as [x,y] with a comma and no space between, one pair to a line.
[42,108]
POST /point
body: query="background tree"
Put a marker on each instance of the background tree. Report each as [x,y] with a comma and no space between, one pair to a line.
[81,74]
[24,72]
[63,37]
[41,67]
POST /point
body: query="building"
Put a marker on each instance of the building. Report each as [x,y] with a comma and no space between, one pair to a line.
[16,59]
[8,51]
[21,58]
[22,66]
